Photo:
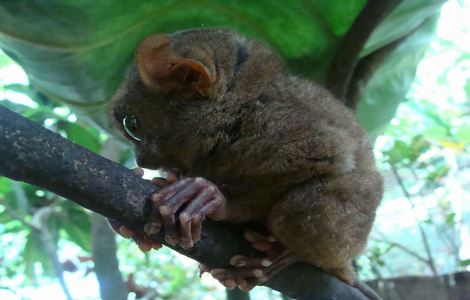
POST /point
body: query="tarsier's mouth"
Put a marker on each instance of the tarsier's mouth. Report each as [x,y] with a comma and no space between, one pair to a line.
[145,162]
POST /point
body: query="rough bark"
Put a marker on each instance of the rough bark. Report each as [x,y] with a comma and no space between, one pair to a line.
[40,157]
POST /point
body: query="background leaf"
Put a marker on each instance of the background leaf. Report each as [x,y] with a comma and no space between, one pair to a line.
[389,85]
[34,253]
[76,51]
[82,135]
[76,223]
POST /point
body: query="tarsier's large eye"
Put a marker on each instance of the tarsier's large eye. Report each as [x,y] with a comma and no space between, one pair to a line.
[132,126]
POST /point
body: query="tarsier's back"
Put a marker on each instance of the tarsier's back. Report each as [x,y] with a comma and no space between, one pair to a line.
[283,150]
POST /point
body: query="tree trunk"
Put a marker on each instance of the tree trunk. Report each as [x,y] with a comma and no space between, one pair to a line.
[112,287]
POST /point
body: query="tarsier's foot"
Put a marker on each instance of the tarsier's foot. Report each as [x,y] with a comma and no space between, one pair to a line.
[247,272]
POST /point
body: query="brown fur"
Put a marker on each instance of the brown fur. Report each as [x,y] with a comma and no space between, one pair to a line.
[284,151]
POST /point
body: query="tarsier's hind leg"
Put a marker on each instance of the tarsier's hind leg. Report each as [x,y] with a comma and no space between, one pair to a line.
[325,226]
[346,273]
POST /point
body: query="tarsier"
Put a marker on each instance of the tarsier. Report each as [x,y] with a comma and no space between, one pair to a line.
[255,144]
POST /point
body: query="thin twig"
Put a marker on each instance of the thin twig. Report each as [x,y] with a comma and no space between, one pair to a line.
[13,214]
[40,218]
[422,233]
[404,249]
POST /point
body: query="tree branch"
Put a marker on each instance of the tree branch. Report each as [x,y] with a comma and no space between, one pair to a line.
[347,55]
[112,286]
[35,155]
[421,230]
[404,249]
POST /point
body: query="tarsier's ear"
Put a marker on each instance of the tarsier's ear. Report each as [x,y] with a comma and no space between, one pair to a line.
[164,70]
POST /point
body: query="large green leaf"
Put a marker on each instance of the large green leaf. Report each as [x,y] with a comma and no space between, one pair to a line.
[76,51]
[408,16]
[389,85]
[83,135]
[34,252]
[76,223]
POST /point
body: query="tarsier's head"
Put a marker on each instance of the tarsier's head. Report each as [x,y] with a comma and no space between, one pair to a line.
[176,84]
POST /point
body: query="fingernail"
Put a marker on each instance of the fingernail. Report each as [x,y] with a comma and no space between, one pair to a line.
[152,228]
[125,232]
[184,218]
[248,236]
[257,273]
[245,288]
[266,262]
[217,272]
[145,248]
[165,210]
[156,246]
[203,268]
[230,284]
[238,261]
[170,240]
[187,245]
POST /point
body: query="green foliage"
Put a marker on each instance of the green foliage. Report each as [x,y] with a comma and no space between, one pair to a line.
[84,136]
[76,225]
[74,37]
[389,85]
[5,61]
[408,14]
[76,52]
[34,252]
[426,146]
[465,263]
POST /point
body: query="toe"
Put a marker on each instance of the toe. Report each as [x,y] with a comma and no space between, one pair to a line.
[125,232]
[243,261]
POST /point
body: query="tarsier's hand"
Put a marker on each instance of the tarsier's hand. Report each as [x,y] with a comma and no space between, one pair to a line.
[190,199]
[247,272]
[142,241]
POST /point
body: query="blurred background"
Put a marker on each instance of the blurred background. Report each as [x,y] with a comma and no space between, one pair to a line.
[416,109]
